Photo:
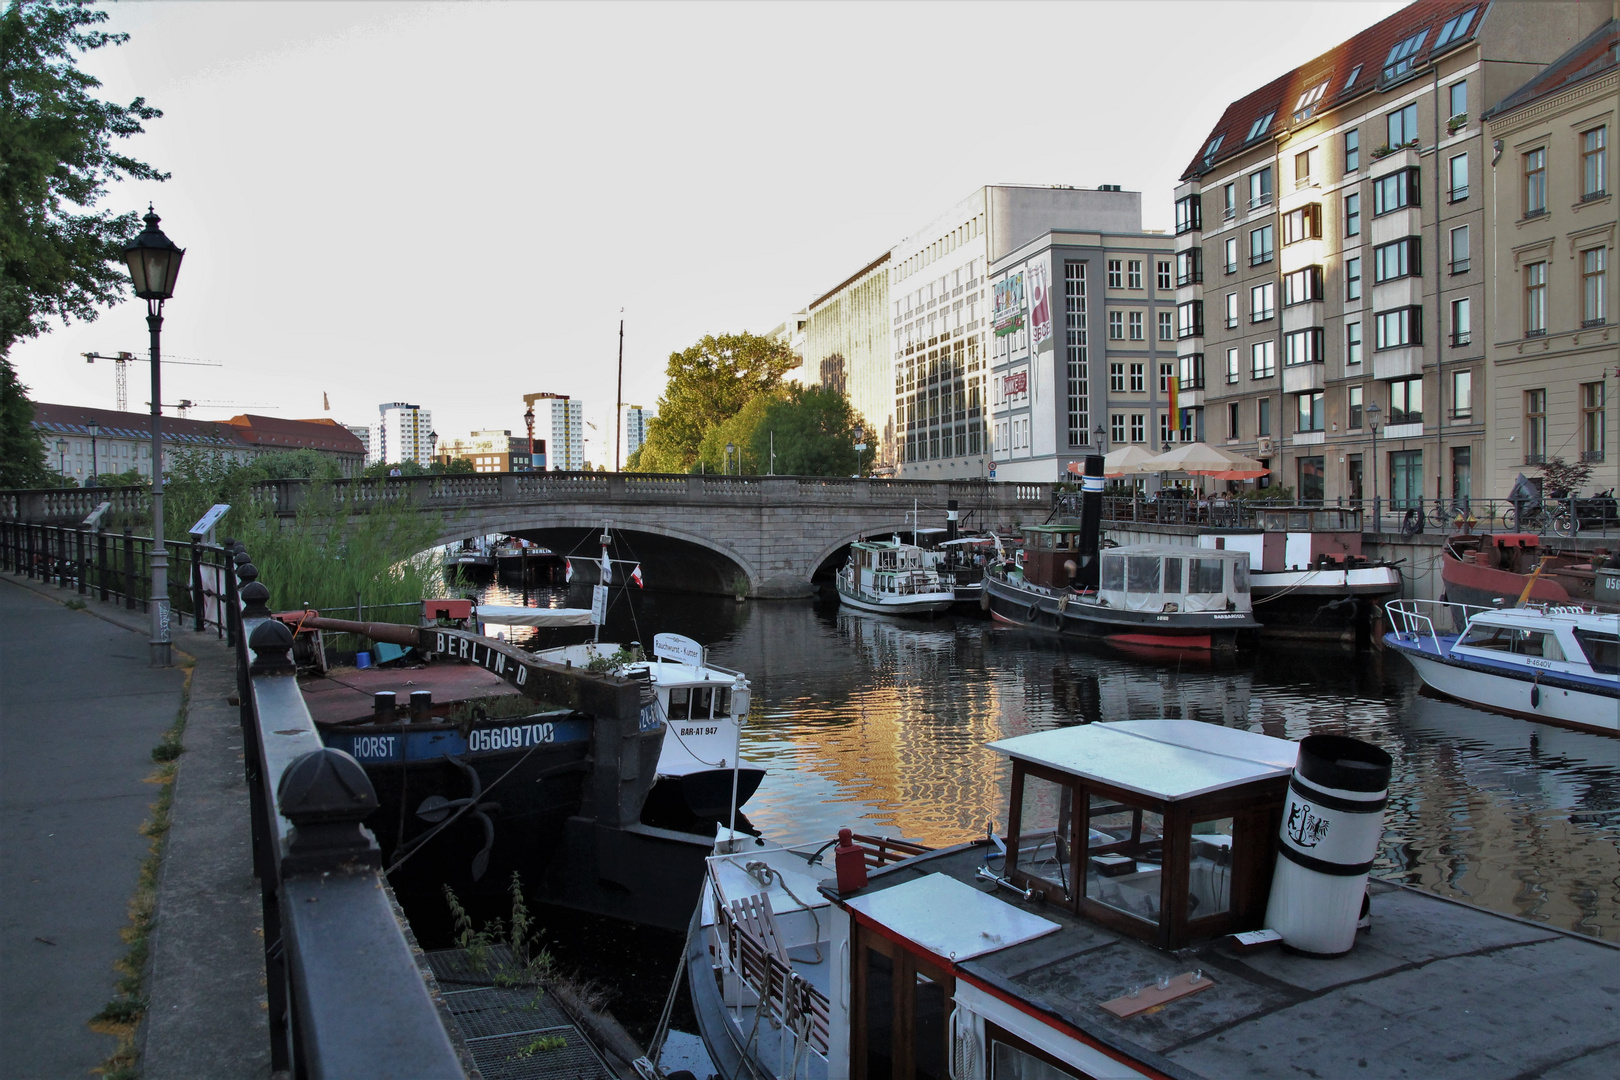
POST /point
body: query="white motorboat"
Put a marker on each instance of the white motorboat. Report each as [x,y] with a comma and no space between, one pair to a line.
[1558,664]
[892,578]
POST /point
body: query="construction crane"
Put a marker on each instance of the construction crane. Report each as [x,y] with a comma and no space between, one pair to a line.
[121,372]
[185,405]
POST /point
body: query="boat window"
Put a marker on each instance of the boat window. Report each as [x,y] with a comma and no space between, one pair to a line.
[928,1036]
[1209,873]
[1142,574]
[1537,643]
[1602,651]
[1205,575]
[1011,1058]
[1240,577]
[1327,520]
[1299,521]
[722,701]
[1113,572]
[1045,831]
[1483,636]
[702,701]
[1124,868]
[1172,575]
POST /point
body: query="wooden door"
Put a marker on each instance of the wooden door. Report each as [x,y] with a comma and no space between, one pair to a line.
[900,1012]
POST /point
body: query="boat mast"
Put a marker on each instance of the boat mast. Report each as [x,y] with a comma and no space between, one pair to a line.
[618,405]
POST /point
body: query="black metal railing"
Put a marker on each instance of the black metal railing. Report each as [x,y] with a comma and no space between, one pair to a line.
[346,997]
[118,567]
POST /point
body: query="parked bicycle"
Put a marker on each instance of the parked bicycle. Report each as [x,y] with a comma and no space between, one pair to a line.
[1599,512]
[1537,516]
[1451,513]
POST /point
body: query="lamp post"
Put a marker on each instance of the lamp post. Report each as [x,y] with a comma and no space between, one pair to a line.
[61,460]
[94,429]
[1373,413]
[860,447]
[154,264]
[731,448]
[433,449]
[528,422]
[1102,438]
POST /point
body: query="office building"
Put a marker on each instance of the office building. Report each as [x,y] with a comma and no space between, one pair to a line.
[402,432]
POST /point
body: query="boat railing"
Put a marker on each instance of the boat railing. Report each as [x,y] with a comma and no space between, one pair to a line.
[1417,619]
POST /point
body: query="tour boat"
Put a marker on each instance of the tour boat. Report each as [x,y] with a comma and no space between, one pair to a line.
[1554,663]
[892,578]
[472,558]
[1157,595]
[1127,924]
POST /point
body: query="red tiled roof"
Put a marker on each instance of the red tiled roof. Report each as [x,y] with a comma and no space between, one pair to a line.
[1591,57]
[71,420]
[274,432]
[1368,50]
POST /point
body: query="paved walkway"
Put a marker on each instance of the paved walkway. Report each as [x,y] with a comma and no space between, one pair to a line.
[80,711]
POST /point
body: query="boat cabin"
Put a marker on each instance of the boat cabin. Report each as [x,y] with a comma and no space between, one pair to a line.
[1576,642]
[1051,555]
[1295,538]
[1180,820]
[1166,578]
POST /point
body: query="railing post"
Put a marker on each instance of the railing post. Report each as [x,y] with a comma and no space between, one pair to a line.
[196,588]
[129,568]
[81,560]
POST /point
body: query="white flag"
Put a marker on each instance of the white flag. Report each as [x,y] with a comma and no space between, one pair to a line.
[568,569]
[607,568]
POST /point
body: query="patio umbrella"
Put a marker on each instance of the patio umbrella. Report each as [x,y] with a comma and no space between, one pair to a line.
[1242,474]
[1199,459]
[1126,461]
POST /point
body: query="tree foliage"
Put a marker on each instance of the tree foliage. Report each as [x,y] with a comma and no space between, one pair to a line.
[59,257]
[708,384]
[22,455]
[738,432]
[815,436]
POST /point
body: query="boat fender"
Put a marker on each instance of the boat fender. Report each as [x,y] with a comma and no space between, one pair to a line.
[1535,695]
[984,598]
[1034,613]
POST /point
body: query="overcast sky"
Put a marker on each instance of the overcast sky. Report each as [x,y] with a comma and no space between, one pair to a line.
[449,204]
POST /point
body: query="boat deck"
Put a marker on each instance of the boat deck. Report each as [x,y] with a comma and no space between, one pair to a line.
[1436,989]
[346,693]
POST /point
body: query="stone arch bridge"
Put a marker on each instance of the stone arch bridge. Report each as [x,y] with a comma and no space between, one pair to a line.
[767,536]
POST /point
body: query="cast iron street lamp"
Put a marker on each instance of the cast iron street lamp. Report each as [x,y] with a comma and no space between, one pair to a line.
[1373,413]
[154,264]
[94,429]
[528,422]
[61,460]
[1102,438]
[433,449]
[860,447]
[731,448]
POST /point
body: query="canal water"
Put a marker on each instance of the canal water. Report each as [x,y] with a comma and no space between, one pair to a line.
[879,724]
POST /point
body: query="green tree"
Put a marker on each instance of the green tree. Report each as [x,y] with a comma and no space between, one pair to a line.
[708,384]
[815,434]
[58,256]
[22,455]
[738,431]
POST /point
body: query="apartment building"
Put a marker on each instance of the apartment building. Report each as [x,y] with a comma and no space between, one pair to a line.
[402,432]
[494,451]
[1083,350]
[633,421]
[1329,263]
[564,419]
[1553,351]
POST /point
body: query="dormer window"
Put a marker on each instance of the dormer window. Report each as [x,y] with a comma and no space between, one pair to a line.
[1404,55]
[1306,105]
[1354,73]
[1455,28]
[1214,145]
[1258,128]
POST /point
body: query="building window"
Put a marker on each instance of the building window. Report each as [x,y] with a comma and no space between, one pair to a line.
[1352,343]
[1309,417]
[1399,328]
[1459,250]
[1262,416]
[1594,276]
[1138,378]
[1262,245]
[1461,322]
[1231,255]
[1402,56]
[1167,326]
[1353,400]
[1405,479]
[1396,191]
[1303,347]
[1164,275]
[1229,201]
[1352,151]
[1457,101]
[1260,188]
[1535,182]
[1462,469]
[1352,214]
[1258,128]
[1232,426]
[1116,274]
[1116,427]
[1074,299]
[1189,267]
[1535,427]
[1305,164]
[1594,163]
[1592,421]
[1231,366]
[1116,378]
[1459,178]
[1166,373]
[1189,214]
[1116,326]
[1306,105]
[1352,279]
[1192,371]
[1535,299]
[1138,427]
[1402,126]
[1462,394]
[1350,80]
[1304,223]
[1134,274]
[1454,28]
[1136,326]
[1399,259]
[1303,286]
[1263,360]
[1406,400]
[1190,319]
[1263,302]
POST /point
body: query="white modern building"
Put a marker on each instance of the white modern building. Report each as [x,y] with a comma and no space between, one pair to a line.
[633,420]
[564,419]
[401,433]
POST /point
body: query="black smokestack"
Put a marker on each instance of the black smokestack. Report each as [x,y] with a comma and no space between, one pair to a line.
[1091,498]
[950,519]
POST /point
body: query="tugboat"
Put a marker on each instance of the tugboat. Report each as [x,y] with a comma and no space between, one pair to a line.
[889,577]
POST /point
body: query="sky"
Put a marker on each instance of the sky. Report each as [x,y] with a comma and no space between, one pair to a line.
[452,204]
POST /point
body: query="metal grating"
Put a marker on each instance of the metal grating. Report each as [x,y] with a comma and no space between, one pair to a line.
[503,1057]
[505,1011]
[455,970]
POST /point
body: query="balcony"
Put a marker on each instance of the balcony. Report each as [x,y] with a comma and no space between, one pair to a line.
[1299,378]
[1403,362]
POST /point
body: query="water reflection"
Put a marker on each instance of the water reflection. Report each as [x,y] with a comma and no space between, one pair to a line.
[880,724]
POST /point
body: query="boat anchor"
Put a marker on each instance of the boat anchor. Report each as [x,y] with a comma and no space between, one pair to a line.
[436,808]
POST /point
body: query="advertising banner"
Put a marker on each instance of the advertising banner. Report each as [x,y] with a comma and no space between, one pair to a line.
[1040,312]
[1009,304]
[1017,383]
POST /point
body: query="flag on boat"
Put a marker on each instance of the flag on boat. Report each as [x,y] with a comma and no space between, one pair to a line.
[607,568]
[635,576]
[568,569]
